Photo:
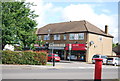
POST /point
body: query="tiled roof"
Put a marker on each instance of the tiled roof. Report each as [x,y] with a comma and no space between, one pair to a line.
[72,26]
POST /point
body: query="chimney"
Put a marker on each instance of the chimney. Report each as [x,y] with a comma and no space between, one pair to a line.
[106,29]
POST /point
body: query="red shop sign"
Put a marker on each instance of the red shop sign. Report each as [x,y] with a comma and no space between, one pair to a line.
[76,47]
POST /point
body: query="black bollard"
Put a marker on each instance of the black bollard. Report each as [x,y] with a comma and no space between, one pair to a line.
[53,61]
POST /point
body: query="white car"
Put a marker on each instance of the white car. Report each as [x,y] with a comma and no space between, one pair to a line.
[113,61]
[72,57]
[104,57]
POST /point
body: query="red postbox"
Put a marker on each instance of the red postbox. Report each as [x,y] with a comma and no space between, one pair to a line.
[98,68]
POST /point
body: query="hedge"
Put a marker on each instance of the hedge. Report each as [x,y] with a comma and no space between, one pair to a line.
[29,58]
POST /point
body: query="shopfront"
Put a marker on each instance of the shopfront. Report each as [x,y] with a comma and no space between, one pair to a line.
[57,49]
[76,51]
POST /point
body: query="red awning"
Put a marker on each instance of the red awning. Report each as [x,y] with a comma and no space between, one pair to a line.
[76,47]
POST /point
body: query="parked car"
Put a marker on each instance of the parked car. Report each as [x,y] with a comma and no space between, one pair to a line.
[72,57]
[51,56]
[113,61]
[104,57]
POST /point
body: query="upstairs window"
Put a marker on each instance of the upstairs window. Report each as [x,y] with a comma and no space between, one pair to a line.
[56,37]
[64,37]
[71,37]
[46,37]
[76,37]
[79,36]
[39,37]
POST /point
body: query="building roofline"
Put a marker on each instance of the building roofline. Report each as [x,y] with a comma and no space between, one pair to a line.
[86,27]
[79,32]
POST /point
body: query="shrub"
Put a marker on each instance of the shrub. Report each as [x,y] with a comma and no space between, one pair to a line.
[31,58]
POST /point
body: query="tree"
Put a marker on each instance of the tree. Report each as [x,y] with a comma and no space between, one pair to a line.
[114,45]
[18,23]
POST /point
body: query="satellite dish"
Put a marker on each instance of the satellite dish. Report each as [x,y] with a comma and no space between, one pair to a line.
[91,42]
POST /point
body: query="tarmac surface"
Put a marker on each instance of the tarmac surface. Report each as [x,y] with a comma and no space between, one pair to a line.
[64,70]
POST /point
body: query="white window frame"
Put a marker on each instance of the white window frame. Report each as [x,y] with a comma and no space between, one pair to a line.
[77,36]
[46,37]
[81,36]
[71,37]
[39,37]
[57,37]
[64,36]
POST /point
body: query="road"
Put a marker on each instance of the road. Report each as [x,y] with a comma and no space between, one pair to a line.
[74,70]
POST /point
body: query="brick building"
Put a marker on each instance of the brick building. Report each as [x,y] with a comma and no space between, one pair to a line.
[79,38]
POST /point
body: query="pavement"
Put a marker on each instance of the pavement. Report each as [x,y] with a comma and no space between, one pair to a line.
[62,65]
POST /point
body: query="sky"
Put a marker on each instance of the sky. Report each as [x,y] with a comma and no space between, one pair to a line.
[99,13]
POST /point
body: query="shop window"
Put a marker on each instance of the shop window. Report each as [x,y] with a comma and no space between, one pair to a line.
[56,37]
[46,37]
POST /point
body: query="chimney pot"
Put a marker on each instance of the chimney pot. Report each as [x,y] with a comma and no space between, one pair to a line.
[106,29]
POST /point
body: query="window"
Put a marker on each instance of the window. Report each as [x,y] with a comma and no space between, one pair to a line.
[103,57]
[71,37]
[76,36]
[79,36]
[96,56]
[64,37]
[116,58]
[46,37]
[39,37]
[56,37]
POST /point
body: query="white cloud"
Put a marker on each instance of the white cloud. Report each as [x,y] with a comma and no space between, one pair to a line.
[48,11]
[87,12]
[40,9]
[106,11]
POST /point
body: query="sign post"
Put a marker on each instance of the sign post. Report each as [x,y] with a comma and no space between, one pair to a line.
[53,58]
[70,48]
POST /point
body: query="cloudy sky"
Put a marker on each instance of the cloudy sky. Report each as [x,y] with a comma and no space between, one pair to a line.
[98,13]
